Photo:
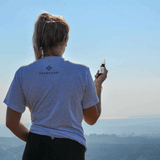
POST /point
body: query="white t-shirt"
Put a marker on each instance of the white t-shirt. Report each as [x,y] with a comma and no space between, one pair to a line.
[56,91]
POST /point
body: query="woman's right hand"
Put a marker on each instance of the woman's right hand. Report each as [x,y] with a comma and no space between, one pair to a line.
[100,79]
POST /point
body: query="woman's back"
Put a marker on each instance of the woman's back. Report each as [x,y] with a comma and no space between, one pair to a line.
[53,90]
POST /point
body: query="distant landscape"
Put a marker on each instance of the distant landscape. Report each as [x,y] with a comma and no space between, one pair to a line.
[101,147]
[145,125]
[121,139]
[122,127]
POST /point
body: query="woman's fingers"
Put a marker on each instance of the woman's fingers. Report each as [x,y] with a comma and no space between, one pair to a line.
[100,79]
[96,76]
[105,72]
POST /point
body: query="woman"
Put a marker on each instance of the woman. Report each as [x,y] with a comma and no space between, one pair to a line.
[58,93]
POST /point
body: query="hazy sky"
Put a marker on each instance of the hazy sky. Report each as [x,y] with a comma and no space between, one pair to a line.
[124,32]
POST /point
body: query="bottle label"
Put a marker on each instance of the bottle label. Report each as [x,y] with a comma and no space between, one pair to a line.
[101,71]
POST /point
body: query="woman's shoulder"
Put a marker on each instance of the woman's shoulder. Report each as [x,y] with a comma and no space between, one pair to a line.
[30,65]
[76,65]
[25,67]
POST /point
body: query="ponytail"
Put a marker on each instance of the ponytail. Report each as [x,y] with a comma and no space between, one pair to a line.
[49,32]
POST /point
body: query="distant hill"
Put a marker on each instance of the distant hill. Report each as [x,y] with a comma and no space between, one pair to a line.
[11,148]
[103,151]
[101,147]
[113,147]
[113,139]
[130,126]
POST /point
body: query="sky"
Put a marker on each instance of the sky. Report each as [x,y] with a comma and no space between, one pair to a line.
[124,33]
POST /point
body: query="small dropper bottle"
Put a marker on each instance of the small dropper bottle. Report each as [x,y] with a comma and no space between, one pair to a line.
[101,71]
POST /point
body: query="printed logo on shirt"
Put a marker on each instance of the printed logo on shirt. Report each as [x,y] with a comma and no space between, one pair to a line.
[48,68]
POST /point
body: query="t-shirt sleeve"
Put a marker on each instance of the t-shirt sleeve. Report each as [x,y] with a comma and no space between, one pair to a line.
[89,97]
[15,97]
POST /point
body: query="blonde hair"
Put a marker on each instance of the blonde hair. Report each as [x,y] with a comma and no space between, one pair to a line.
[49,32]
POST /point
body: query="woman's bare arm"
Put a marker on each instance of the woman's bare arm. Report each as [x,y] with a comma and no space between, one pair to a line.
[91,114]
[14,124]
